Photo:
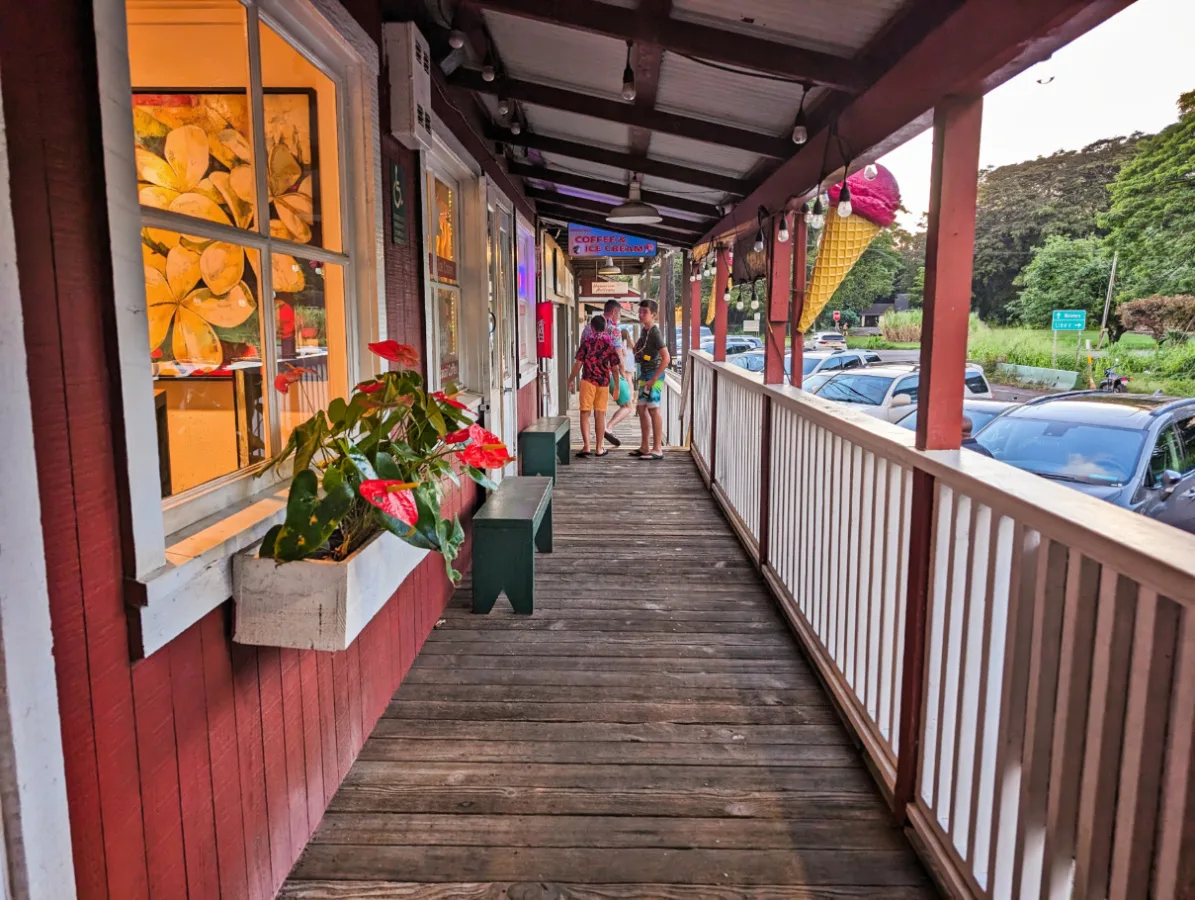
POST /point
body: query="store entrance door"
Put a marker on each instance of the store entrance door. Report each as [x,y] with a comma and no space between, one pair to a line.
[503,349]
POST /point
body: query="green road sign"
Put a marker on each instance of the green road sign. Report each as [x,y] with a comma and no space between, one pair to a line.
[1070,319]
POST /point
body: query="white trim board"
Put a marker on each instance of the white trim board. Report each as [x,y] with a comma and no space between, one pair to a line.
[36,845]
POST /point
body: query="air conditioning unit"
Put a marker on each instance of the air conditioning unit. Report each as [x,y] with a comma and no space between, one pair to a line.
[410,67]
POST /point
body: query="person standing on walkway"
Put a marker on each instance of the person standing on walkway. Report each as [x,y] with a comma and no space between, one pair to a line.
[612,312]
[622,387]
[652,357]
[596,361]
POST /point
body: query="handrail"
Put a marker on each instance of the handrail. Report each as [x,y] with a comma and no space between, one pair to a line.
[1163,555]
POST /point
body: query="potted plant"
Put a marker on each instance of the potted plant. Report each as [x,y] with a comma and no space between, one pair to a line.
[364,507]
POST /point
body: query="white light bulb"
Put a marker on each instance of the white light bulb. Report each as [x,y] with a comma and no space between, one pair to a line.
[758,245]
[516,127]
[726,296]
[755,304]
[739,305]
[800,134]
[817,221]
[782,231]
[845,209]
[456,39]
[487,73]
[504,107]
[808,217]
[870,172]
[628,91]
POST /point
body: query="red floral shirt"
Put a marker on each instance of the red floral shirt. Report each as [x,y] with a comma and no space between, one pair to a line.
[598,359]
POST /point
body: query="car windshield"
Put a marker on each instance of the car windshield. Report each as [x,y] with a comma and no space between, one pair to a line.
[808,365]
[978,417]
[848,388]
[1066,451]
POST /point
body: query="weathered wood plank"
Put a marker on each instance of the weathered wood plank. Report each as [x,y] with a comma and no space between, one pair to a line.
[695,713]
[668,681]
[591,732]
[540,890]
[809,695]
[879,869]
[612,664]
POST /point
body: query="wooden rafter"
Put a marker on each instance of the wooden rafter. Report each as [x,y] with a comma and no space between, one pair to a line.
[692,39]
[636,116]
[610,189]
[646,62]
[619,160]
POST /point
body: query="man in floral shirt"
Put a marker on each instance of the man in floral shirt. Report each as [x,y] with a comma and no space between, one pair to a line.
[596,361]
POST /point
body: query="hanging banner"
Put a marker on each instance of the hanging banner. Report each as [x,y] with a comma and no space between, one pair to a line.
[587,242]
[544,323]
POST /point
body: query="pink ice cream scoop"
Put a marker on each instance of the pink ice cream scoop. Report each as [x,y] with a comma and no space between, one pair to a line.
[877,200]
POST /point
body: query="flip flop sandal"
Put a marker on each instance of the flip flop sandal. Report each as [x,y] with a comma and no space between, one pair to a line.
[584,454]
[652,456]
[603,453]
[639,453]
[612,440]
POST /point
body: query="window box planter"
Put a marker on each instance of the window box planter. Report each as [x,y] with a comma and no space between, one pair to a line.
[317,604]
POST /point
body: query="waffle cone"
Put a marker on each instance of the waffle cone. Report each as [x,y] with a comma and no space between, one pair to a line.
[843,242]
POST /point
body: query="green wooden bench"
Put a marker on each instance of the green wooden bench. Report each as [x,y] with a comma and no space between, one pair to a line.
[513,522]
[543,444]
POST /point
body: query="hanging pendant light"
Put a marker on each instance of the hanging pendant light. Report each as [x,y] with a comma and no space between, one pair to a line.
[844,202]
[782,231]
[609,268]
[800,127]
[628,78]
[487,67]
[634,211]
[503,106]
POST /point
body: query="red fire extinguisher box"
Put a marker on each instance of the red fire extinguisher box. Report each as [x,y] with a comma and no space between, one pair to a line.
[544,324]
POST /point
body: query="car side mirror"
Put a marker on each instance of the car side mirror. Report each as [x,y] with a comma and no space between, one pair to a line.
[1169,480]
[902,400]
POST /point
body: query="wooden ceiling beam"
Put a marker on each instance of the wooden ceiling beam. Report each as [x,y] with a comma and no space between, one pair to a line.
[611,189]
[646,62]
[597,206]
[692,39]
[619,160]
[672,238]
[623,113]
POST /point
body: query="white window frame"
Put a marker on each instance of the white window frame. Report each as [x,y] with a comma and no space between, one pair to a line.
[528,368]
[181,549]
[444,166]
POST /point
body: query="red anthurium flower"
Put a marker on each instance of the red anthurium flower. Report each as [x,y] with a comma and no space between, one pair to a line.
[485,450]
[370,387]
[394,498]
[451,401]
[457,437]
[283,380]
[396,353]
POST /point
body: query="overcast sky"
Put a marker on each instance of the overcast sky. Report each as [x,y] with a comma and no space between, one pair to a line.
[1124,76]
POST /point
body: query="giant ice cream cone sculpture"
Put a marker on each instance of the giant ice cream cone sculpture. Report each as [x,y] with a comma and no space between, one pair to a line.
[844,239]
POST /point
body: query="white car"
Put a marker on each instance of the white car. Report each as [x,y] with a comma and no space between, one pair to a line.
[812,362]
[826,340]
[887,392]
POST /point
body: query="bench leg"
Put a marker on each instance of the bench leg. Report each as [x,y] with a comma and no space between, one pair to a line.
[543,537]
[503,560]
[563,449]
[538,459]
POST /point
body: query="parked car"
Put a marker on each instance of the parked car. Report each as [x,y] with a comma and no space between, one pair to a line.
[1134,451]
[886,391]
[706,333]
[812,362]
[980,412]
[735,343]
[826,340]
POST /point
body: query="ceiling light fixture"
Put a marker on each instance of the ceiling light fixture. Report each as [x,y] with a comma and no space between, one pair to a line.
[634,211]
[628,78]
[800,127]
[609,268]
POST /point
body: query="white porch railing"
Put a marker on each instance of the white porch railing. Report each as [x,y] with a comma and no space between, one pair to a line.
[1017,659]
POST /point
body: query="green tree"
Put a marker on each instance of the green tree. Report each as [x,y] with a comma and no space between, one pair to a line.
[910,279]
[1151,221]
[872,278]
[1023,204]
[1065,273]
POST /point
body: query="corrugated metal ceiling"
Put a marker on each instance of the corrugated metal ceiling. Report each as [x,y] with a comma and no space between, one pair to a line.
[573,127]
[697,154]
[841,27]
[549,54]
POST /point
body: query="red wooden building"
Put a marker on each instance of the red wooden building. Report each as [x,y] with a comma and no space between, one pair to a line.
[145,752]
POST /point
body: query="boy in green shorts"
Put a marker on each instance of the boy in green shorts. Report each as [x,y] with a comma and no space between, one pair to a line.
[651,358]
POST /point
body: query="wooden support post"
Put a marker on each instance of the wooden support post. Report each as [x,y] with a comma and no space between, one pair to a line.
[695,307]
[800,239]
[950,244]
[685,312]
[949,253]
[721,307]
[779,298]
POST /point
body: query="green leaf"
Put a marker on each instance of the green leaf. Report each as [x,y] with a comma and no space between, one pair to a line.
[386,467]
[434,416]
[481,478]
[310,519]
[310,436]
[337,409]
[266,550]
[359,460]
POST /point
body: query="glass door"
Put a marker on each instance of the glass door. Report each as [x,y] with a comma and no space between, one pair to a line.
[503,347]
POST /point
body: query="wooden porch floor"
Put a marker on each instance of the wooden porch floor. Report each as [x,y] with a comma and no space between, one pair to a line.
[651,732]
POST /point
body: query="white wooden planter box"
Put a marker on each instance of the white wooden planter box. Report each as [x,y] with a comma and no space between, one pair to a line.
[317,605]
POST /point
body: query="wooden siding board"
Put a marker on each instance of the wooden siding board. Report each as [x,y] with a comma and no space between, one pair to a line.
[251,753]
[282,848]
[313,750]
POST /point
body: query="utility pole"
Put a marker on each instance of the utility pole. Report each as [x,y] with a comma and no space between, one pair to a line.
[1108,300]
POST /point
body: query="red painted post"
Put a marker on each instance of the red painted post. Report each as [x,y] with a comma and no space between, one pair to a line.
[800,239]
[721,307]
[695,307]
[779,297]
[949,253]
[950,245]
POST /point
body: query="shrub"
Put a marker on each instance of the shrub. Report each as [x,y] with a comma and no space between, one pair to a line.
[901,326]
[1158,314]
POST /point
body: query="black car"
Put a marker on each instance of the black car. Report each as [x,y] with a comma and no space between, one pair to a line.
[1135,451]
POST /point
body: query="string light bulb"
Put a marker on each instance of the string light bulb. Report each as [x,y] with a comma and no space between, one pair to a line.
[760,241]
[800,127]
[628,78]
[754,305]
[870,172]
[807,213]
[503,106]
[487,68]
[844,202]
[782,231]
[456,39]
[516,127]
[818,218]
